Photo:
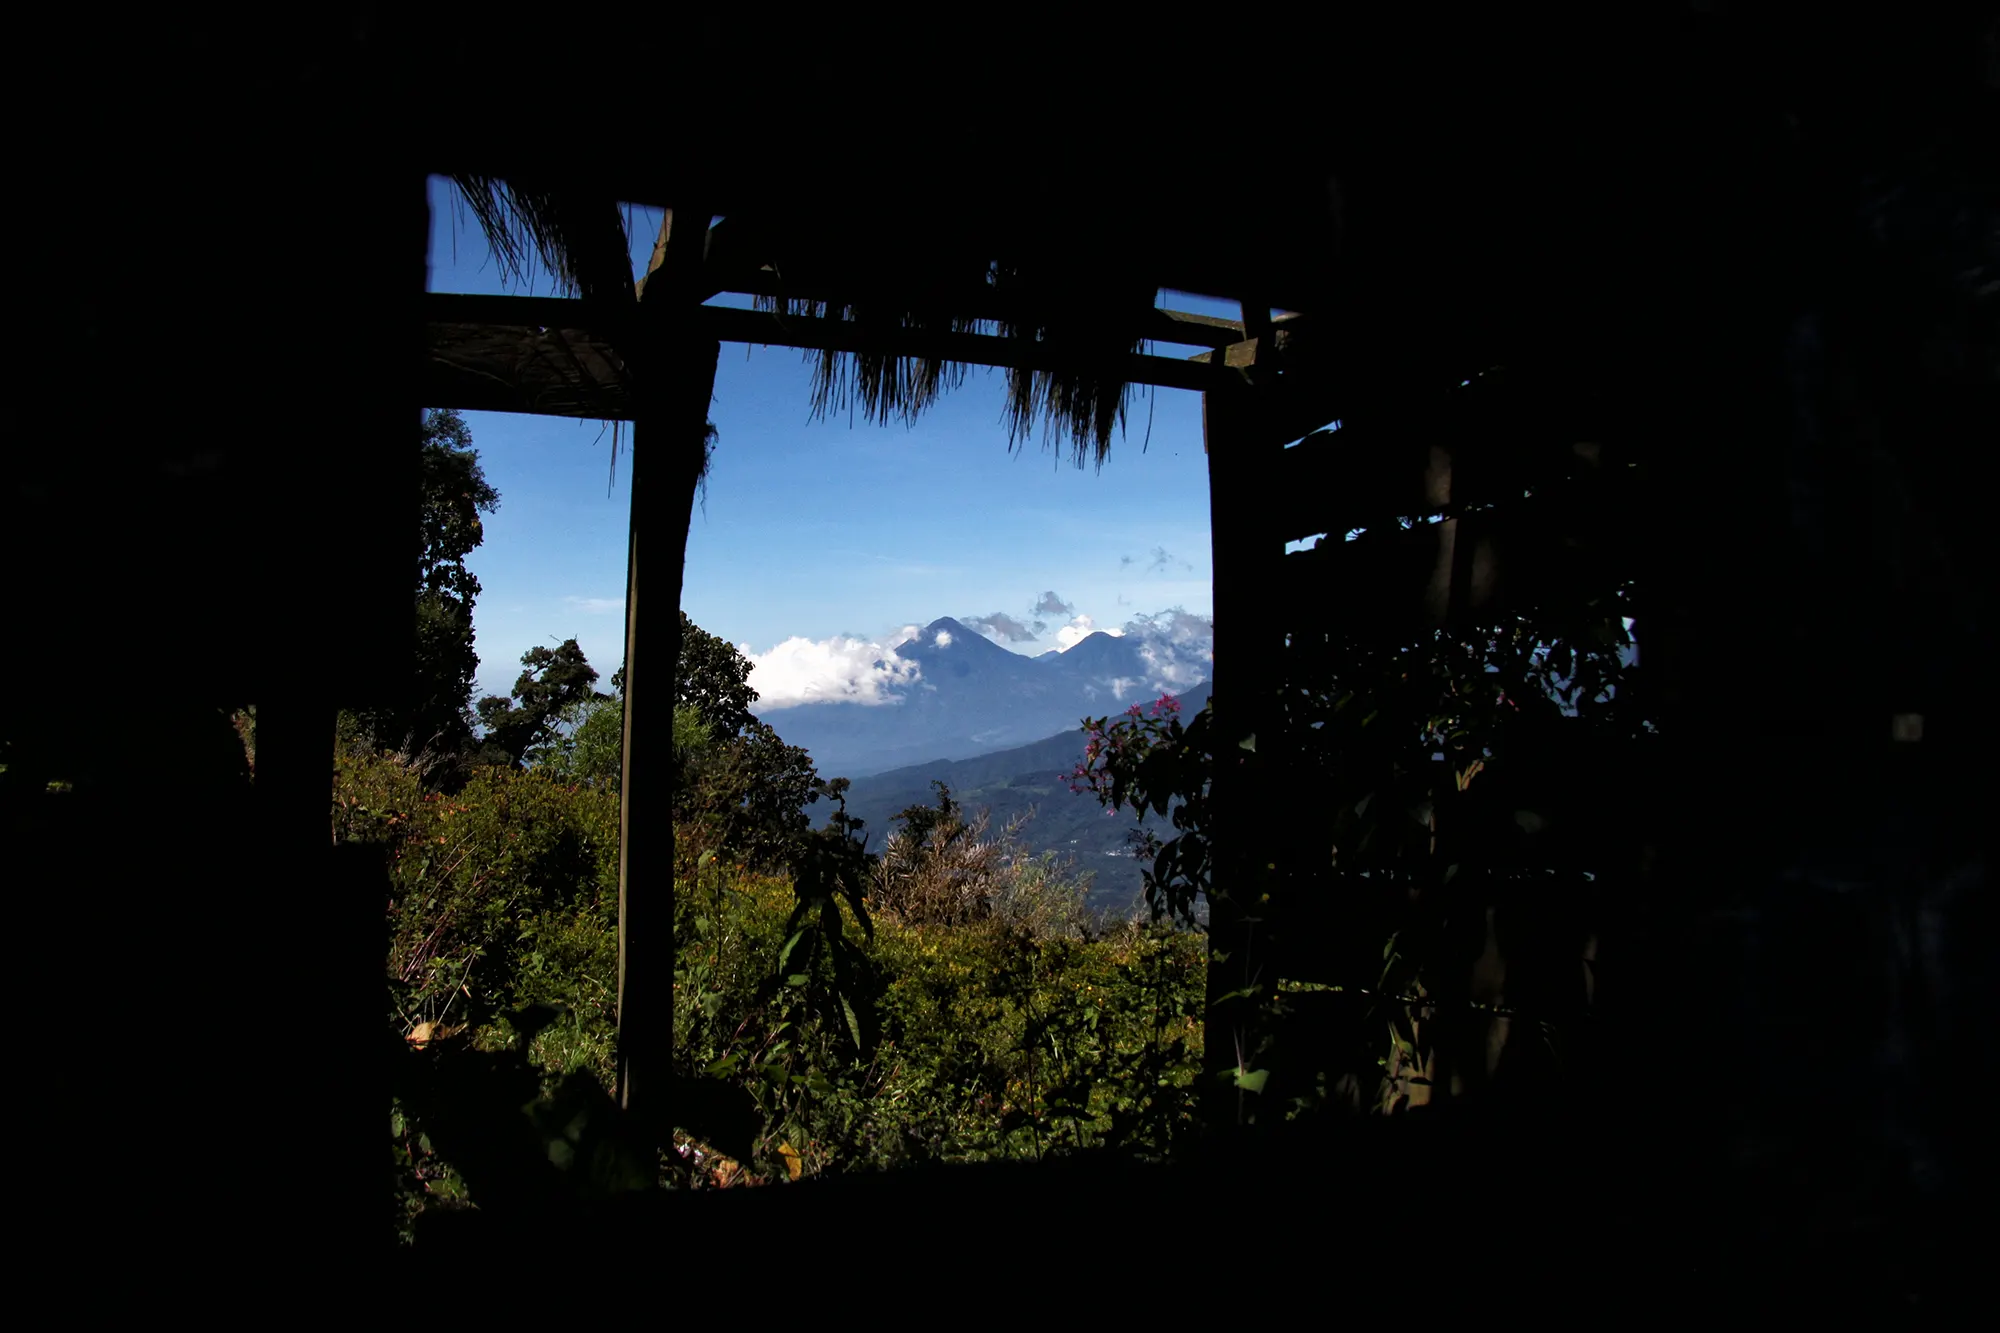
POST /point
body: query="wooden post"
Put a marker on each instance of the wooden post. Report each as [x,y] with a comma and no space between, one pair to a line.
[676,380]
[1249,666]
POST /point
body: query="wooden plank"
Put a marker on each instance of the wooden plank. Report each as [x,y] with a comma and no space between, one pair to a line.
[1201,330]
[1490,564]
[1243,352]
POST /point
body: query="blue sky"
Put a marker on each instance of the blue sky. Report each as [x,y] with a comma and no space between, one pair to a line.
[829,538]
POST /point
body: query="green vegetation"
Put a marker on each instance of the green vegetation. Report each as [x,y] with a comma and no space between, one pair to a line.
[948,1000]
[981,1016]
[433,719]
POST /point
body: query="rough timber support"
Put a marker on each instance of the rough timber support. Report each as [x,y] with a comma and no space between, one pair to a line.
[1244,443]
[677,380]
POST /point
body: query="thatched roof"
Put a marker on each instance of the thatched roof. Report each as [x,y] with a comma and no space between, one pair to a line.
[1085,320]
[528,367]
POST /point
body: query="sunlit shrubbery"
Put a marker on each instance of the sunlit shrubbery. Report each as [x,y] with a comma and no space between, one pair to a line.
[501,896]
[1016,1028]
[1007,1024]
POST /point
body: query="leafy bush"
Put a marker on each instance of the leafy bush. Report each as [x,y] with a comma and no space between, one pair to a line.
[943,868]
[501,897]
[1149,763]
[743,796]
[864,1039]
[497,890]
[1010,1031]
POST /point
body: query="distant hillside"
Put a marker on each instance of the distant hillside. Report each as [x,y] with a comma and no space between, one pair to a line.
[1008,783]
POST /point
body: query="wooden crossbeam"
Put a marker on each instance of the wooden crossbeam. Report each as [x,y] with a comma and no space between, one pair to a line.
[532,312]
[1181,327]
[770,329]
[1242,352]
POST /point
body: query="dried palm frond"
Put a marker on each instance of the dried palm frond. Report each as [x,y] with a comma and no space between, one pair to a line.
[584,241]
[580,238]
[1081,409]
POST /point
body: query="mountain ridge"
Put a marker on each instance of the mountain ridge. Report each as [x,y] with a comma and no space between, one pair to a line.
[970,696]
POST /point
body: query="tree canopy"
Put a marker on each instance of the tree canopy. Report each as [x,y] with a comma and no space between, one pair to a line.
[555,682]
[435,713]
[714,680]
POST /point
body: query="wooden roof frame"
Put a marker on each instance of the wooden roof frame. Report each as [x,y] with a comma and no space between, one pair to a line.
[559,356]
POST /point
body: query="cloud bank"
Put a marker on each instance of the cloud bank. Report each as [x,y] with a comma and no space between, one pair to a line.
[836,670]
[1176,645]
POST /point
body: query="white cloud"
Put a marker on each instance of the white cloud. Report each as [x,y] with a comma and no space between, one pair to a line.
[1177,646]
[836,670]
[1175,672]
[1077,630]
[598,606]
[943,639]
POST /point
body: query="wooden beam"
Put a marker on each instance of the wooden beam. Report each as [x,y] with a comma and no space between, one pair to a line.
[1240,354]
[1168,326]
[773,330]
[1244,351]
[769,329]
[1185,327]
[527,312]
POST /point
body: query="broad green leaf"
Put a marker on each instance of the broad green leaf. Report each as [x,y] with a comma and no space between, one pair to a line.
[1253,1080]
